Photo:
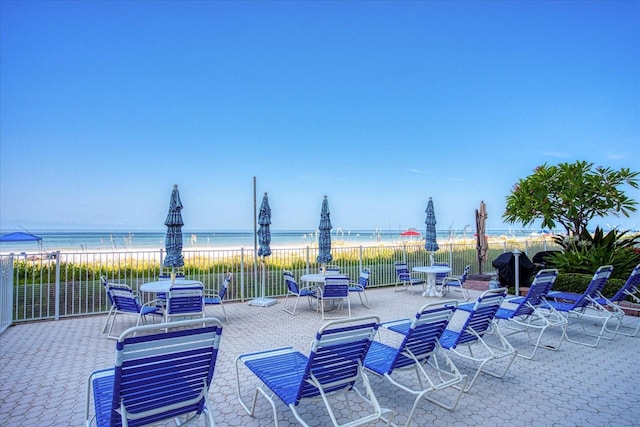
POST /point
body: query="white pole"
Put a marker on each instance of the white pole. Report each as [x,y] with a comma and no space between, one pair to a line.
[517,253]
[255,240]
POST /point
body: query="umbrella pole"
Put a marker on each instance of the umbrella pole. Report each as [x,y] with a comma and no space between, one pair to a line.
[478,248]
[260,301]
[255,239]
[263,301]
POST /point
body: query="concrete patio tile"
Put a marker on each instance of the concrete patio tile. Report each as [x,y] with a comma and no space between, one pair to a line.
[45,366]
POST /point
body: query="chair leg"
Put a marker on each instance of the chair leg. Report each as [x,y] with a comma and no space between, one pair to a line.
[226,319]
[363,298]
[109,316]
[295,304]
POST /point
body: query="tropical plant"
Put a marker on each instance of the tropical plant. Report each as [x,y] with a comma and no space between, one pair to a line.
[570,194]
[585,253]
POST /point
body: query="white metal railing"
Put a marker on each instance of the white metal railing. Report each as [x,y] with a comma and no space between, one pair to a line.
[6,293]
[57,285]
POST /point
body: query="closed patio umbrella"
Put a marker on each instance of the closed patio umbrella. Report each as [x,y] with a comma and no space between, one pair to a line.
[264,234]
[431,243]
[324,239]
[264,239]
[481,235]
[173,240]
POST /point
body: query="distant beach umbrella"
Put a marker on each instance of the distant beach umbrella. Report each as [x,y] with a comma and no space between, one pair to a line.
[410,233]
[264,234]
[174,223]
[431,243]
[324,239]
[481,235]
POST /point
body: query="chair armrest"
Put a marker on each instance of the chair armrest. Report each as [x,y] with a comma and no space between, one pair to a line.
[154,303]
[211,294]
[450,279]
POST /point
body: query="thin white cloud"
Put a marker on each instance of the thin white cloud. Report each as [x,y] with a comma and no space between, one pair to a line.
[616,157]
[418,171]
[557,154]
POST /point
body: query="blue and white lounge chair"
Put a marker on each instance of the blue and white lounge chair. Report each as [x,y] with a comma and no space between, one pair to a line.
[217,297]
[417,358]
[626,298]
[587,309]
[405,279]
[333,367]
[472,336]
[524,314]
[125,301]
[360,287]
[157,376]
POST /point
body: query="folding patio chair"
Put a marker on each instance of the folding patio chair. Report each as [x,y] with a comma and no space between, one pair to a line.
[125,301]
[626,298]
[587,309]
[184,301]
[457,283]
[112,307]
[334,367]
[217,297]
[473,336]
[416,358]
[157,376]
[440,276]
[405,279]
[335,291]
[295,291]
[360,286]
[524,314]
[162,296]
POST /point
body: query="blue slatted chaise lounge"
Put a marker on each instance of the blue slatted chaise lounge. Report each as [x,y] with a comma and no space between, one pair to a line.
[334,366]
[420,357]
[158,376]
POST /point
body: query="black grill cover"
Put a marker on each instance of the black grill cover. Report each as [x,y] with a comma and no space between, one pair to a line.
[506,266]
[541,257]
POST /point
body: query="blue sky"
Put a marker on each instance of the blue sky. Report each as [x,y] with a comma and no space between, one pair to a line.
[379,105]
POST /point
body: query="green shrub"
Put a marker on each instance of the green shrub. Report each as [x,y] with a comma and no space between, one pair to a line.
[588,252]
[578,283]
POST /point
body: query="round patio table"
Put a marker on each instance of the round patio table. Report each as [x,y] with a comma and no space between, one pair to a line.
[431,271]
[164,285]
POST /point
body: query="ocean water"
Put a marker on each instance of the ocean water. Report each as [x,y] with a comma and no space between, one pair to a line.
[89,241]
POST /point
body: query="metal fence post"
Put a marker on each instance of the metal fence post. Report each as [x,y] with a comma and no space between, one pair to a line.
[6,292]
[57,292]
[242,274]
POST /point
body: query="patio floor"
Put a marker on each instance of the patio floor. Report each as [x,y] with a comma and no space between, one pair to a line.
[44,366]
